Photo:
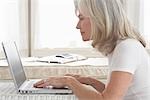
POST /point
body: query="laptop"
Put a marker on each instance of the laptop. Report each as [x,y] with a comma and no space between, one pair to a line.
[22,84]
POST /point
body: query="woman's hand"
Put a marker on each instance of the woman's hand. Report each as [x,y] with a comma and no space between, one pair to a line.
[57,82]
[81,79]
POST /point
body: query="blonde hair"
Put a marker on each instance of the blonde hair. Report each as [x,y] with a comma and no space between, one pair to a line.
[109,23]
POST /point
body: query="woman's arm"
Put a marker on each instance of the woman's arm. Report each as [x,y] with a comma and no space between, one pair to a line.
[115,90]
[99,86]
[82,91]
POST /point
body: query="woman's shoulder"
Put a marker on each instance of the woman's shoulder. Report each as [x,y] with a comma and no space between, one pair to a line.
[129,43]
[129,46]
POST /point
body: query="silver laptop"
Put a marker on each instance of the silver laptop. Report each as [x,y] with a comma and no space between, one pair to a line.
[22,84]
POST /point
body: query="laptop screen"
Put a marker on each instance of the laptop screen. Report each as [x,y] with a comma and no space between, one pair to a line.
[14,62]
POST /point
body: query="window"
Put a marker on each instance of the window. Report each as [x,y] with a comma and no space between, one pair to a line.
[54,28]
[56,25]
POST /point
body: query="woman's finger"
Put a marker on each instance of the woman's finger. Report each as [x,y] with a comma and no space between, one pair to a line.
[41,83]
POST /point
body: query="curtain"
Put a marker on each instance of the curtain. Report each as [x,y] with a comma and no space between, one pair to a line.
[13,23]
[146,21]
[138,14]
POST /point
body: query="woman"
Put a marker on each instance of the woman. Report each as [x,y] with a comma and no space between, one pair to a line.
[105,23]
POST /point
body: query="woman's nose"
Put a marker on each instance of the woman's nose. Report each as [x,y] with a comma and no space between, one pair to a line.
[78,26]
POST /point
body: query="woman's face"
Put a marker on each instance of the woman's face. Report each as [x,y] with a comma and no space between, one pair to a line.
[84,25]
